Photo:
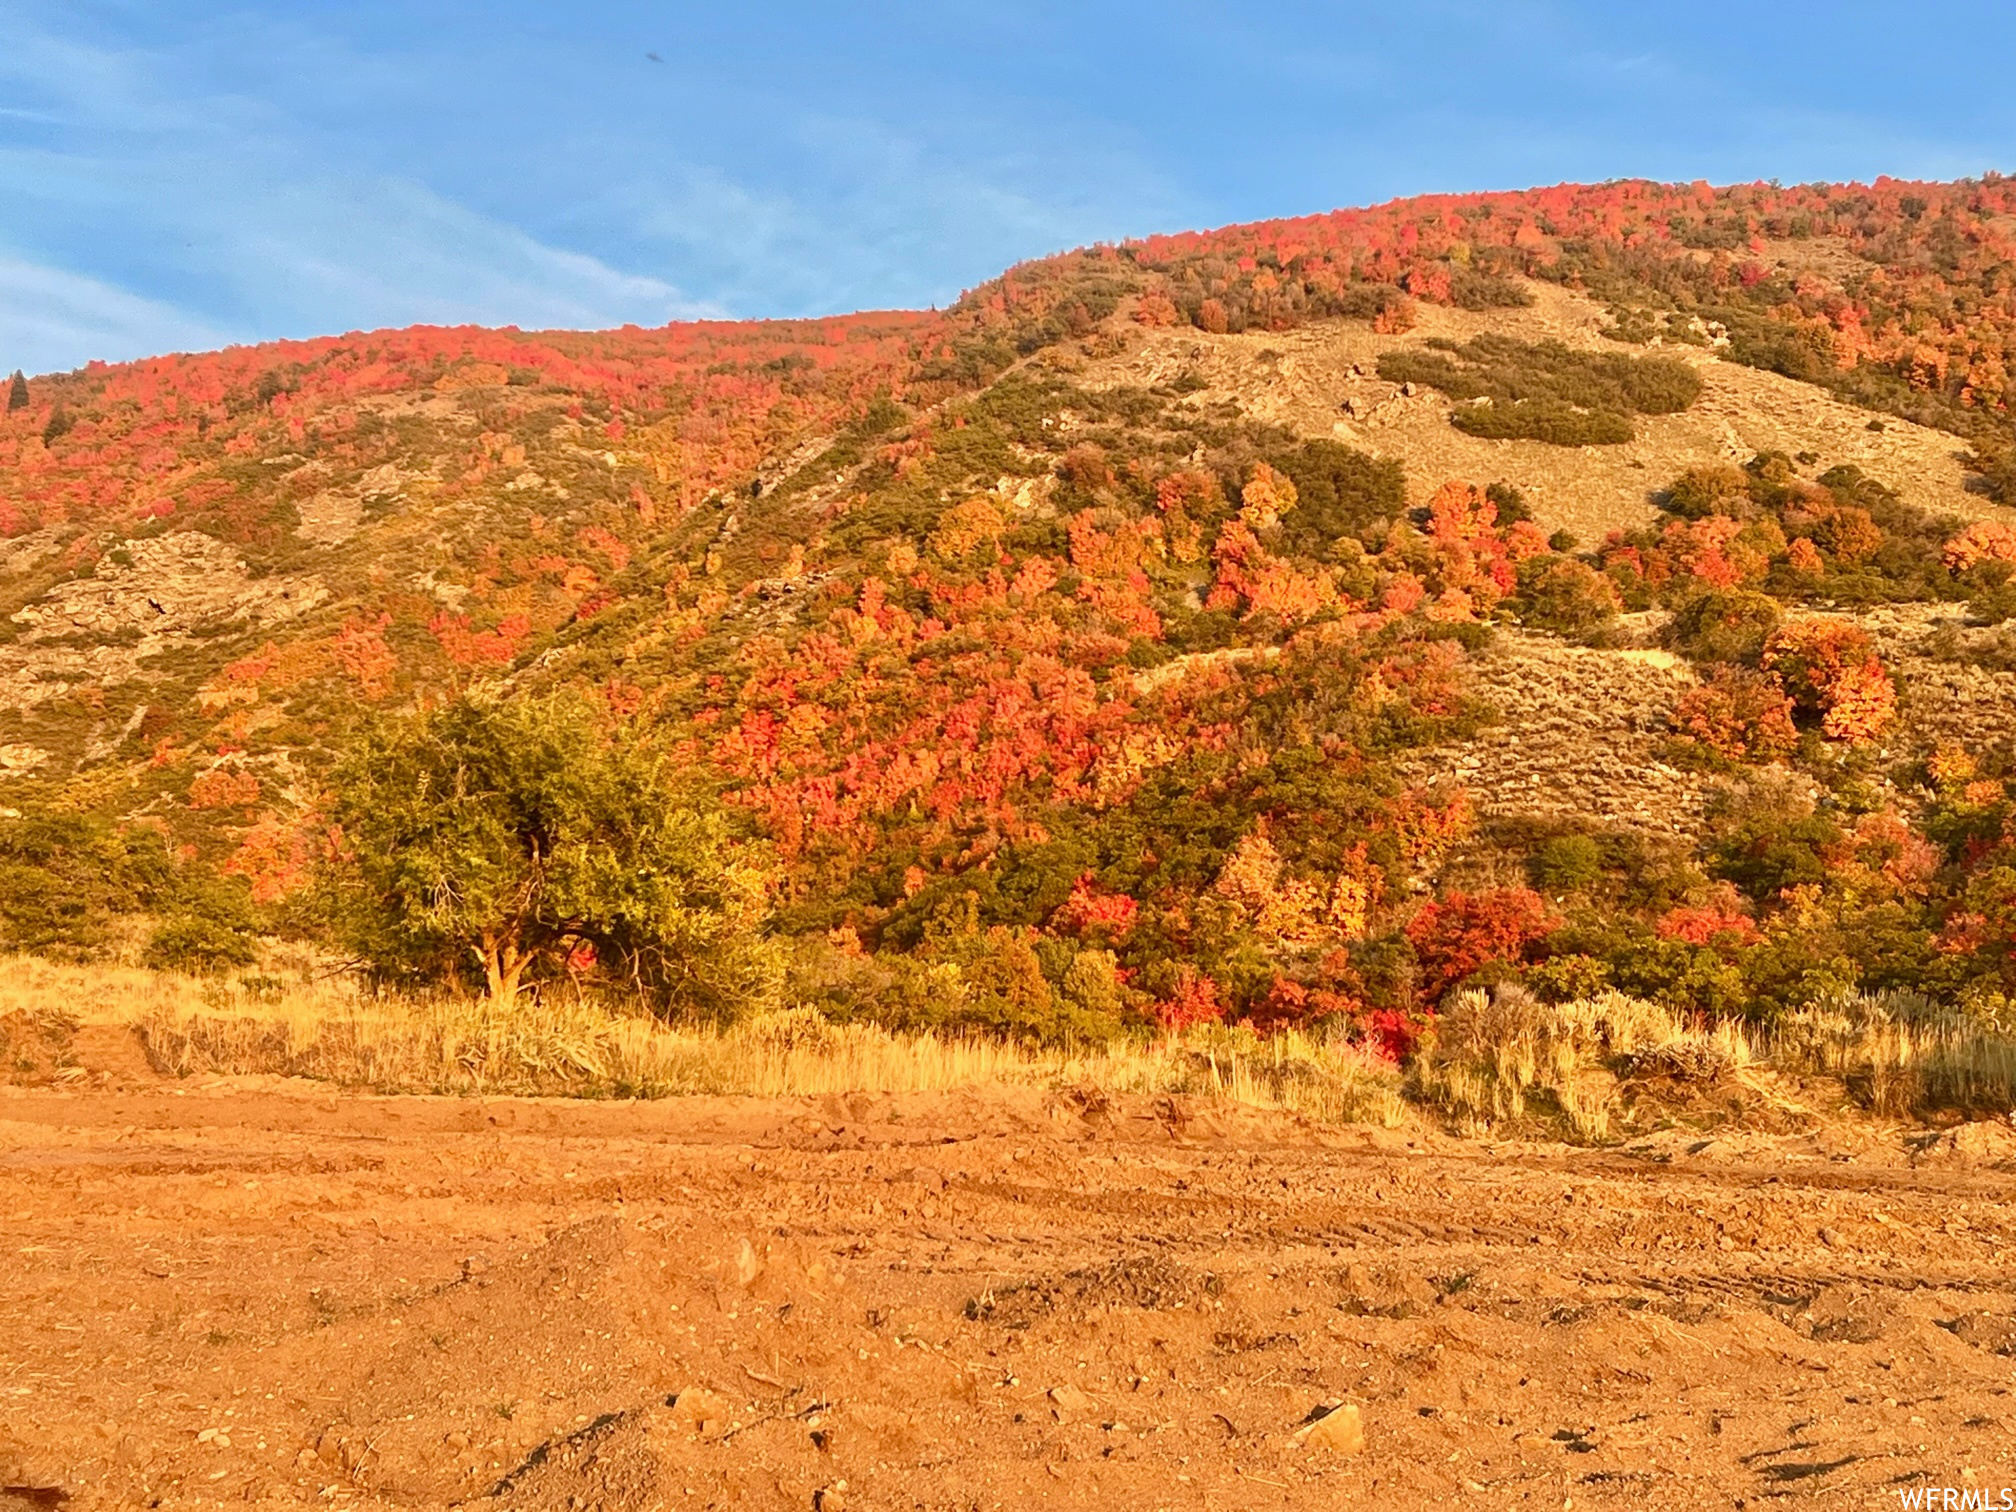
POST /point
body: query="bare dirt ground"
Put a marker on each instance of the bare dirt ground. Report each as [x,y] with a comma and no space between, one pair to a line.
[262,1292]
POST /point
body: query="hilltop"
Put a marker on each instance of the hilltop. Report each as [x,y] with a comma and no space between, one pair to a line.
[1595,587]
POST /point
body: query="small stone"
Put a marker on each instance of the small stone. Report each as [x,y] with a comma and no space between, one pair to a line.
[1068,1401]
[1846,1315]
[1831,1237]
[1341,1430]
[831,1498]
[457,1440]
[747,1266]
[697,1406]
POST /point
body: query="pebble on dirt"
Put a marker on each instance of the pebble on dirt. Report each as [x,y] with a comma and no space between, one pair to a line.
[1340,1429]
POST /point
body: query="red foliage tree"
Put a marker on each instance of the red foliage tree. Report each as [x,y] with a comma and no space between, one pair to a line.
[1454,937]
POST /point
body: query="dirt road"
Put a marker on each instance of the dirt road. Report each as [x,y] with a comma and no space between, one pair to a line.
[261,1292]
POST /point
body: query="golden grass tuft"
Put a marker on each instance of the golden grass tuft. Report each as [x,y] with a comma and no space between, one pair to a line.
[1901,1055]
[1497,1060]
[1504,1058]
[330,1032]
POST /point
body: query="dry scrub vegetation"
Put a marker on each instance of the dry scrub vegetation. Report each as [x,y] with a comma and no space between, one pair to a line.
[1591,1070]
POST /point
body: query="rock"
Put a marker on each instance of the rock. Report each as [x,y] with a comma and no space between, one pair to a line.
[747,1266]
[1831,1237]
[1340,1429]
[697,1405]
[1069,1402]
[831,1498]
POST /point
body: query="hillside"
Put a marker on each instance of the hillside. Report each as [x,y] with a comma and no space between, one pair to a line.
[1592,587]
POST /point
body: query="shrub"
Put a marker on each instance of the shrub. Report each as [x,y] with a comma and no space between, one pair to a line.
[65,878]
[1703,491]
[1739,714]
[1767,837]
[1567,863]
[1983,541]
[1465,931]
[1339,492]
[199,944]
[1830,670]
[1568,597]
[1994,606]
[509,836]
[1548,420]
[1545,391]
[1724,625]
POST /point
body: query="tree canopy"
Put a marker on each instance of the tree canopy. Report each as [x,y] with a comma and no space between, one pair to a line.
[526,840]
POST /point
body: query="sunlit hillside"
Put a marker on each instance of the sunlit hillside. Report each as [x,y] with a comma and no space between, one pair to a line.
[1597,589]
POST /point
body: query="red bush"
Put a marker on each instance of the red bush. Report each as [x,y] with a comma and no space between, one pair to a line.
[1088,911]
[1739,714]
[1829,668]
[1195,1000]
[1465,931]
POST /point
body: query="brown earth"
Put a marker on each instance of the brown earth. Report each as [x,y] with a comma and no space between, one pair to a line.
[257,1291]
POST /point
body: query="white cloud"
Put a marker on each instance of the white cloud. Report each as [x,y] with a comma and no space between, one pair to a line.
[391,252]
[52,320]
[128,173]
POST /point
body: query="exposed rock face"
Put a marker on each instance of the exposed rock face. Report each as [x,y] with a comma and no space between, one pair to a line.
[166,585]
[145,597]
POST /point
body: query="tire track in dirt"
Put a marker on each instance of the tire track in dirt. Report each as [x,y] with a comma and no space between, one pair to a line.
[269,1295]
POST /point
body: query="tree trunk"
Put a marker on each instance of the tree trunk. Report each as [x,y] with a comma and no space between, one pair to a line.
[503,965]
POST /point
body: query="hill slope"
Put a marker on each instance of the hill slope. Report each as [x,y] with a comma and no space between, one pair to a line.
[1233,623]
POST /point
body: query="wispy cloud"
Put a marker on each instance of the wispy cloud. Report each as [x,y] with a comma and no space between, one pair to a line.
[284,170]
[49,316]
[239,224]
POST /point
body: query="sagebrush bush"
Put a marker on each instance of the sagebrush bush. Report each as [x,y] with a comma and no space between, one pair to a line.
[1545,391]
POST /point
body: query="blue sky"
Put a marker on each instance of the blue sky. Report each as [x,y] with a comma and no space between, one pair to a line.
[186,174]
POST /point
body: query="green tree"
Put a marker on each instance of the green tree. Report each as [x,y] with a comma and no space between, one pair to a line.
[17,392]
[526,838]
[66,878]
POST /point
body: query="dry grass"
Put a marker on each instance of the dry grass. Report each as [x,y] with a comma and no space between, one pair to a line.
[1496,1061]
[1504,1058]
[330,1033]
[1903,1056]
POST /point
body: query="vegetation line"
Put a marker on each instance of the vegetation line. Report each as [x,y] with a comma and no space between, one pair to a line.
[1591,1070]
